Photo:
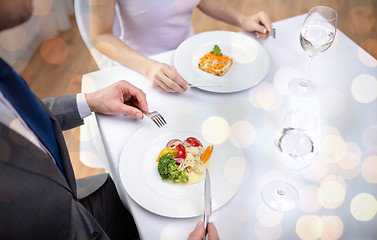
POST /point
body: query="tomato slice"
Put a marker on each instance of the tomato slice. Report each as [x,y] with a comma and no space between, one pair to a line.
[181,151]
[194,142]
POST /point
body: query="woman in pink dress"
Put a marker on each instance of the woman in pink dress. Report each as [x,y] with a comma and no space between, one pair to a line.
[149,27]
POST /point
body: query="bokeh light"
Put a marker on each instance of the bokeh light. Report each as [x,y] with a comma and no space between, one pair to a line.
[308,201]
[42,7]
[309,227]
[215,130]
[242,134]
[352,157]
[333,227]
[363,207]
[369,46]
[364,88]
[333,148]
[265,96]
[332,192]
[54,50]
[47,25]
[317,170]
[15,41]
[369,138]
[369,169]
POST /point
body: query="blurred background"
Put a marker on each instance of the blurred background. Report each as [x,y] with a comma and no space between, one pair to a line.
[50,54]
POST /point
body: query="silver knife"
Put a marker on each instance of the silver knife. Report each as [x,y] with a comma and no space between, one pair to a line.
[199,86]
[207,202]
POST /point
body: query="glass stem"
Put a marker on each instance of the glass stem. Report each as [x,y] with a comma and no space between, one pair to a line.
[303,83]
[281,190]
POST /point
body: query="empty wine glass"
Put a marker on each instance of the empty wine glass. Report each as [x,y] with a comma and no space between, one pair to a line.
[296,148]
[317,35]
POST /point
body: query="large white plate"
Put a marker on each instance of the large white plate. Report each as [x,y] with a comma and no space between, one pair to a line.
[251,61]
[140,178]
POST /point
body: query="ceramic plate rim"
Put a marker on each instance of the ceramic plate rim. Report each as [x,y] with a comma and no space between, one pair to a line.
[177,205]
[248,69]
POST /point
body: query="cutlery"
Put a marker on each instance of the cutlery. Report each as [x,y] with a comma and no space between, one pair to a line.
[207,202]
[201,86]
[272,33]
[157,118]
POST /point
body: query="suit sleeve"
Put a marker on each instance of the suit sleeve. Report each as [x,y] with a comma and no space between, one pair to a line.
[65,110]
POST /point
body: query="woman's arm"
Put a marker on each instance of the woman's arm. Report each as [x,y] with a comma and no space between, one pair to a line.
[217,9]
[162,76]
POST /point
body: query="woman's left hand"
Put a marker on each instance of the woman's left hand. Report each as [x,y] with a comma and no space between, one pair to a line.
[259,23]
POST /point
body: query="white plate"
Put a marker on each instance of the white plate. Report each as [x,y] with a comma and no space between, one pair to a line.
[251,61]
[140,178]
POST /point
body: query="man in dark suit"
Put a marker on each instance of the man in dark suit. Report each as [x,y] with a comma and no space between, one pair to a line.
[39,196]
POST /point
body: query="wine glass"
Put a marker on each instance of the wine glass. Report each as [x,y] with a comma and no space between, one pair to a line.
[316,36]
[296,148]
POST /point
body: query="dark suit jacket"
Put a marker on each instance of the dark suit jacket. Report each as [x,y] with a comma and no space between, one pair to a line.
[36,201]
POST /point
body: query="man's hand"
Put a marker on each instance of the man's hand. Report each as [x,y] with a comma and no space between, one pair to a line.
[199,232]
[120,97]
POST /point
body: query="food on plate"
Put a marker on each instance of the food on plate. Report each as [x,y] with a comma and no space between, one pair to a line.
[184,161]
[215,62]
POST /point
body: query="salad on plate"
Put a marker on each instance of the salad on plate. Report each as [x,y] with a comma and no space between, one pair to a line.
[184,161]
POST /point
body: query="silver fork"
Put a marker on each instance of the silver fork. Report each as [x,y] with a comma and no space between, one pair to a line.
[272,33]
[157,118]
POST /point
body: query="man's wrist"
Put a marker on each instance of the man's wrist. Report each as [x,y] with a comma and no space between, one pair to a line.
[82,105]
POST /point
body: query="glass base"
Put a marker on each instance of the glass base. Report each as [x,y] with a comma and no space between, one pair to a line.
[302,87]
[280,196]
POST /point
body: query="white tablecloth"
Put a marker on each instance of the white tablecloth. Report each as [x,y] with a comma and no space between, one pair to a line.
[337,192]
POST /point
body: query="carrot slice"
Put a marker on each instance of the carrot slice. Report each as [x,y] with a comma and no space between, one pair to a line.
[207,154]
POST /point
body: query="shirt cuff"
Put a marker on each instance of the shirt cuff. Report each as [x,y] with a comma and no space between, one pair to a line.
[82,105]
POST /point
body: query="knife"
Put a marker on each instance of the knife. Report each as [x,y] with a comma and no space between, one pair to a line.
[199,86]
[207,202]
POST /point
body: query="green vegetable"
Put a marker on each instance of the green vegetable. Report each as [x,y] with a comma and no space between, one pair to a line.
[216,50]
[168,169]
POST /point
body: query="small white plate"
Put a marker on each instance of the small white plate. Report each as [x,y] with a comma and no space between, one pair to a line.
[140,178]
[251,61]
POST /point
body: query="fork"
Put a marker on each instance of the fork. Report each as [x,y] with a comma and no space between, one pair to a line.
[157,118]
[272,33]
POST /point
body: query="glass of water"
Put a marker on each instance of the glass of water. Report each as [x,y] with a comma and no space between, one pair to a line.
[317,35]
[296,147]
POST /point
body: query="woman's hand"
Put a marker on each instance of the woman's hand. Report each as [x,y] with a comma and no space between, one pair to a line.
[166,78]
[260,23]
[120,97]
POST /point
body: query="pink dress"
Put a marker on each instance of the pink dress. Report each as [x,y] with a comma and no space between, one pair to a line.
[155,26]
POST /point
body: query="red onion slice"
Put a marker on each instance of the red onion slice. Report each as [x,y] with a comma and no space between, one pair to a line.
[178,160]
[171,142]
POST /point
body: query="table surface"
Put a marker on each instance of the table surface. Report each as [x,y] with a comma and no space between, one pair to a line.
[337,193]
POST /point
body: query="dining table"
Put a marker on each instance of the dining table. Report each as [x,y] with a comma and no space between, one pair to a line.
[336,190]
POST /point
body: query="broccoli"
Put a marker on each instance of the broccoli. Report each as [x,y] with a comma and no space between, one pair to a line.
[168,169]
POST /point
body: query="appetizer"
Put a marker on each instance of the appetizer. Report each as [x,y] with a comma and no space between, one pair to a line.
[215,62]
[184,161]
